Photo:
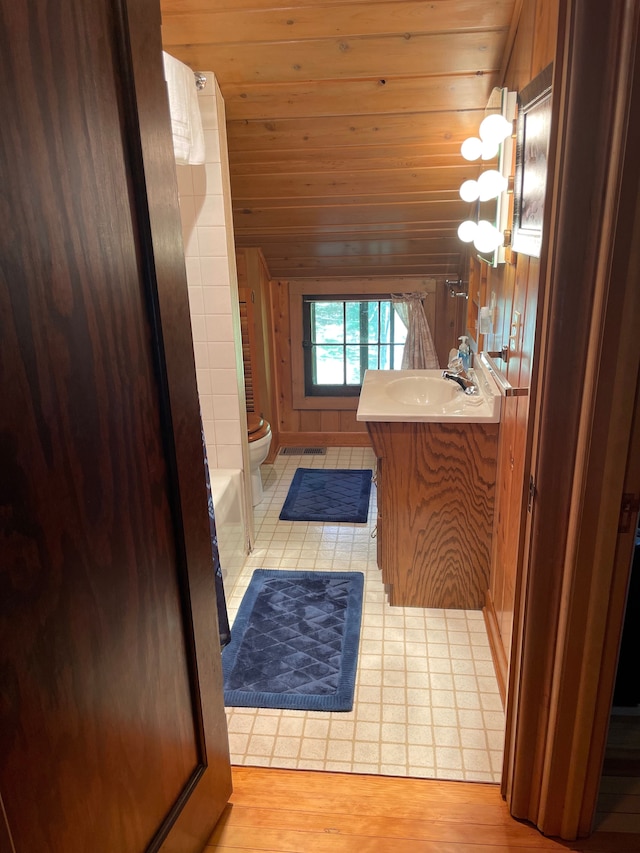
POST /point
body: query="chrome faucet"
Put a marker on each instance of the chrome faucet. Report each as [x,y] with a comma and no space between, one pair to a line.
[463,379]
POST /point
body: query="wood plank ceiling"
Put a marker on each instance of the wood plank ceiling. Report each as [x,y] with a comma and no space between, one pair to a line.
[344,123]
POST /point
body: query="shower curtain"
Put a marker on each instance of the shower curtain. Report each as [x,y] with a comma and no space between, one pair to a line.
[223,618]
[419,350]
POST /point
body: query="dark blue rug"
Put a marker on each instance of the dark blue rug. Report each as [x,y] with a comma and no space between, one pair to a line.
[294,642]
[328,494]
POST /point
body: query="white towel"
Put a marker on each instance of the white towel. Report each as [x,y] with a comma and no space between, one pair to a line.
[186,123]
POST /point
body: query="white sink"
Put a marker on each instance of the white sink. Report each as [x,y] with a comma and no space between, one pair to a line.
[422,390]
[423,395]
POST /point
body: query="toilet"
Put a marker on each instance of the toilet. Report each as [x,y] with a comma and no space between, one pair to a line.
[259,432]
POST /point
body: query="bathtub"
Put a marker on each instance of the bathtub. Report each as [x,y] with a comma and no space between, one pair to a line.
[226,490]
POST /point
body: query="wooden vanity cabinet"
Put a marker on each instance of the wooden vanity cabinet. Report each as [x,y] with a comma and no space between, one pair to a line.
[436,486]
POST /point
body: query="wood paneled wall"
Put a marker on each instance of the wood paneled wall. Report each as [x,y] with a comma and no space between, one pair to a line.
[331,427]
[515,285]
[253,284]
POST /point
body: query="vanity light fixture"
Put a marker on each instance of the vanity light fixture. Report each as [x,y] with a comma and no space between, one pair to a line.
[495,138]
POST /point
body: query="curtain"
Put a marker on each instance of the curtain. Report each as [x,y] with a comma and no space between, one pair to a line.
[223,618]
[419,351]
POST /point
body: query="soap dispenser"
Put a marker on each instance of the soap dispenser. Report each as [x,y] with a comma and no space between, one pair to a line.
[464,352]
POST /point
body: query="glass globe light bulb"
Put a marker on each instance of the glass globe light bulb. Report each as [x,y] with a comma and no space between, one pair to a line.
[467,230]
[483,244]
[490,150]
[488,237]
[490,184]
[469,191]
[471,148]
[495,128]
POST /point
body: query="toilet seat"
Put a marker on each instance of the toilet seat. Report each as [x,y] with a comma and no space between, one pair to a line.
[257,427]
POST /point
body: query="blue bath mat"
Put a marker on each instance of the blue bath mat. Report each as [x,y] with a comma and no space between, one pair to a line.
[294,642]
[328,494]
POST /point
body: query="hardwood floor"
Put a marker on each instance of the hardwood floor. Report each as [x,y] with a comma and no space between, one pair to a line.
[618,807]
[297,811]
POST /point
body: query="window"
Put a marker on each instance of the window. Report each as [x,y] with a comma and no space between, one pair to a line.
[337,350]
[344,337]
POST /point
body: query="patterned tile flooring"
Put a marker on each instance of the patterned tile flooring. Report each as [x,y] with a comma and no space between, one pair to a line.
[427,703]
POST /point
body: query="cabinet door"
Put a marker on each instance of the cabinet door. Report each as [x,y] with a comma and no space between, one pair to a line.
[435,549]
[112,728]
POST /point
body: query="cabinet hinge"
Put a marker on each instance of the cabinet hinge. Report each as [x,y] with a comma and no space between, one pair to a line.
[532,493]
[629,509]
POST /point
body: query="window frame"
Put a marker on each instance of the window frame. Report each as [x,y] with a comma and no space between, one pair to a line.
[341,290]
[344,389]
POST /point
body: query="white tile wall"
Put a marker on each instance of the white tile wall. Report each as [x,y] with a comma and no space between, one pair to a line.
[211,277]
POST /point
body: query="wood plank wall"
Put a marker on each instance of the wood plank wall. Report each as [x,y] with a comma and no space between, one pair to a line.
[515,285]
[253,279]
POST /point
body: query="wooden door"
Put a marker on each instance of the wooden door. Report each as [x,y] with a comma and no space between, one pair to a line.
[112,728]
[570,602]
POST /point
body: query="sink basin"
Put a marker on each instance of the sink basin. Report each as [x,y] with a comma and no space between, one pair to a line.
[423,390]
[423,395]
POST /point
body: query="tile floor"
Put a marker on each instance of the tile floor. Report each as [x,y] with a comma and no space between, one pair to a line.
[426,703]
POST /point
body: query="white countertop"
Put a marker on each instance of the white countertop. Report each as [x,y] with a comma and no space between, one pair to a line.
[424,396]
